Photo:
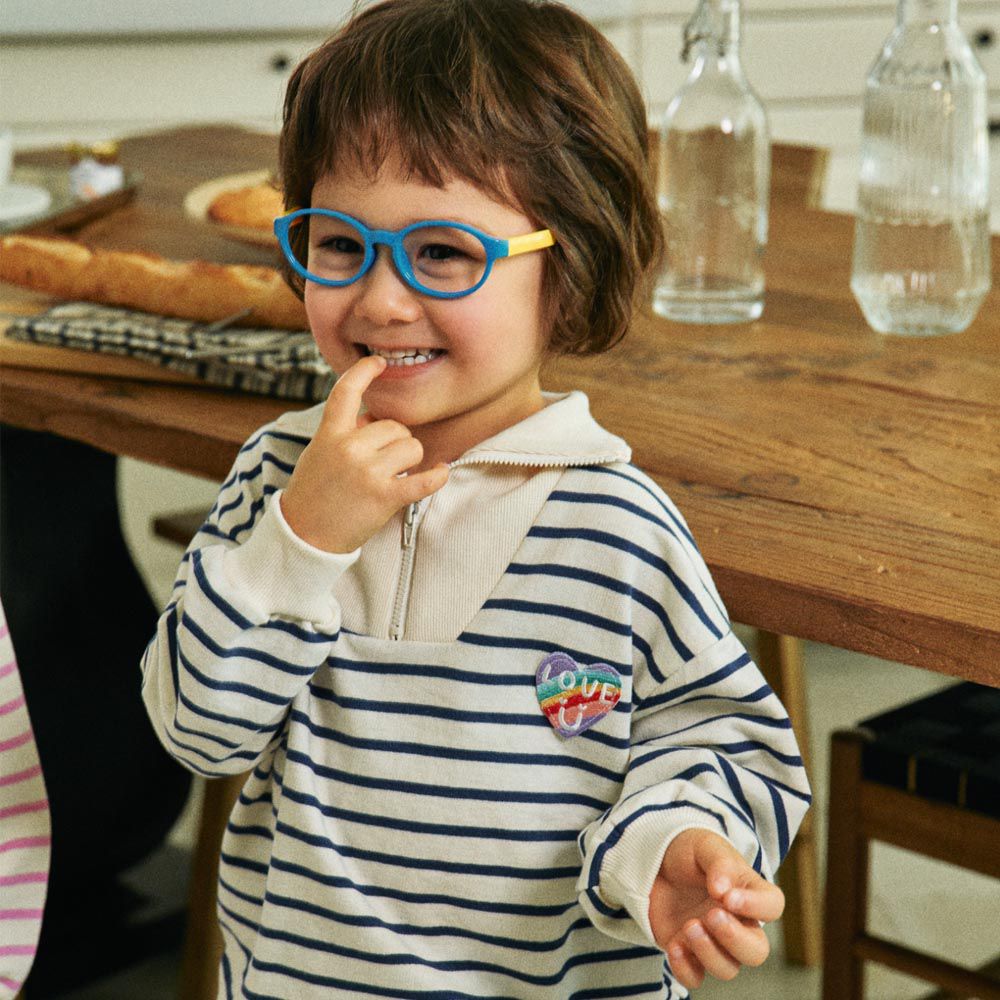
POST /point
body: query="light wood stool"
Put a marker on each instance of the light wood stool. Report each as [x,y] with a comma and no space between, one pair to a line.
[780,660]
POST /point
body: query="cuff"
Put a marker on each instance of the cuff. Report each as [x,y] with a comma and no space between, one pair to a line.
[631,866]
[280,575]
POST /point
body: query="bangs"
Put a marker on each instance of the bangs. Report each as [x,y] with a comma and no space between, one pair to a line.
[427,90]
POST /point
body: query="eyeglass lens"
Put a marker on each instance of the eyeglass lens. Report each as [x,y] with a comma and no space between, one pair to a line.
[442,258]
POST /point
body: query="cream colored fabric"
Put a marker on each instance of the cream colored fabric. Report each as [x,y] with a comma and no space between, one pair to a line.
[469,531]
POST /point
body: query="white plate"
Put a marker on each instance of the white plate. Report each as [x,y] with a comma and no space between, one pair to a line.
[198,200]
[22,201]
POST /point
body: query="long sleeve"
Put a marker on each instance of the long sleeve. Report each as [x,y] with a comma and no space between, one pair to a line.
[251,618]
[711,745]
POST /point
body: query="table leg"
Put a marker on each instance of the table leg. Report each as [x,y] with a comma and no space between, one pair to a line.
[780,660]
[203,940]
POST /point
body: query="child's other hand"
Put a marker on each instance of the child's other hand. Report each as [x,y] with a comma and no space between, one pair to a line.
[705,908]
[347,482]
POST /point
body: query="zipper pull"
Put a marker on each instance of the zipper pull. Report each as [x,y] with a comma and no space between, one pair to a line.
[409,518]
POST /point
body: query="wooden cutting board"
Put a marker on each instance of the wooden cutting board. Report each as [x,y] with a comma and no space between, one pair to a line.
[19,354]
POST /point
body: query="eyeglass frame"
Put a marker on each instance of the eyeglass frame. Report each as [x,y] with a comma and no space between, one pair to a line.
[495,248]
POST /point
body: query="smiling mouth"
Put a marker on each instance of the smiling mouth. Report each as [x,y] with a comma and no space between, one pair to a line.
[404,356]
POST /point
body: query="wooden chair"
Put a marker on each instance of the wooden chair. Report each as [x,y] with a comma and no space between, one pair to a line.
[919,777]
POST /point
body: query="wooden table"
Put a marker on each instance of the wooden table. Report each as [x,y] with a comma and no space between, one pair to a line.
[843,486]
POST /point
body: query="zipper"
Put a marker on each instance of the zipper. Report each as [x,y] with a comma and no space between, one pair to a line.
[539,462]
[411,522]
[413,513]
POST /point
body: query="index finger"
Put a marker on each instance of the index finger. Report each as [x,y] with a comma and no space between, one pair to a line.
[764,902]
[344,402]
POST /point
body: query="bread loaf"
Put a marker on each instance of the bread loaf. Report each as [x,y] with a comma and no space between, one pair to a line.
[254,207]
[195,290]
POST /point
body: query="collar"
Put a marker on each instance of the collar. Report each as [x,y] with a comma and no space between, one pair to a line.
[570,435]
[564,426]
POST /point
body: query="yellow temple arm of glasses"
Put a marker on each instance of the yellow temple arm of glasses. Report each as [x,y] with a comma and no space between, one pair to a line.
[532,241]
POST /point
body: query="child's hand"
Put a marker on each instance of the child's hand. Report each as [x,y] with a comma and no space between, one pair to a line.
[705,906]
[347,482]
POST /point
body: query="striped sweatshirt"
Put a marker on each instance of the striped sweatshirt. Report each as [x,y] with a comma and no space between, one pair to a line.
[25,835]
[461,781]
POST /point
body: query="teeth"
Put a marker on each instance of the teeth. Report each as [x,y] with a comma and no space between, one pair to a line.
[409,356]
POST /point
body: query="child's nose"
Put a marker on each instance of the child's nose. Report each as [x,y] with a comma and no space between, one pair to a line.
[383,296]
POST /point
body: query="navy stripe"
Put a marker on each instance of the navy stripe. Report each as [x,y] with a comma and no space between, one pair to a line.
[450,714]
[208,528]
[299,632]
[234,531]
[258,694]
[599,993]
[268,431]
[760,694]
[221,652]
[750,746]
[781,820]
[647,487]
[703,768]
[248,475]
[396,668]
[560,611]
[195,709]
[609,500]
[646,651]
[221,604]
[452,753]
[623,545]
[429,829]
[619,829]
[424,898]
[802,796]
[416,930]
[708,680]
[188,749]
[760,720]
[615,586]
[451,965]
[509,642]
[444,791]
[217,513]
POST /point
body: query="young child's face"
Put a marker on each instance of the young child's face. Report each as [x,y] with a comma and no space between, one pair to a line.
[492,341]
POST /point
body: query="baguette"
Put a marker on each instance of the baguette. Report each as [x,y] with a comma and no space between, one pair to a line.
[195,289]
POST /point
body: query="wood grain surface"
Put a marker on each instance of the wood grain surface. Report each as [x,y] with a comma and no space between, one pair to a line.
[842,485]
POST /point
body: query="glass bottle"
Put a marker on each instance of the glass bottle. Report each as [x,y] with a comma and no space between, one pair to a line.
[922,242]
[713,180]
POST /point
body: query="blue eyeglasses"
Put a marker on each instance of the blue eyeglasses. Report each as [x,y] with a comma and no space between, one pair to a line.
[443,259]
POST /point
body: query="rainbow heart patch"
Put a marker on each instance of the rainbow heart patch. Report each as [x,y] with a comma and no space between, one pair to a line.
[574,697]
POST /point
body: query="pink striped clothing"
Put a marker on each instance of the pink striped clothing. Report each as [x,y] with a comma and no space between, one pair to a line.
[25,837]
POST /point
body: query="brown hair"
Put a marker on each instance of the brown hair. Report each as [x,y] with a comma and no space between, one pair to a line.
[524,99]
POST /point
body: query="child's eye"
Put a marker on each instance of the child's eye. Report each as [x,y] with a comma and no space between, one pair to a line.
[341,244]
[440,251]
[445,258]
[335,255]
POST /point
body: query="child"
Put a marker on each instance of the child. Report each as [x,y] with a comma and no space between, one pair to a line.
[502,740]
[25,828]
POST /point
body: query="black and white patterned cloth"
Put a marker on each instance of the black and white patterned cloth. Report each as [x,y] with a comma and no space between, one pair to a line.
[278,363]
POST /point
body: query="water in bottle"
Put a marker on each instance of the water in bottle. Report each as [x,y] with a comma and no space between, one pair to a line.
[922,243]
[713,180]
